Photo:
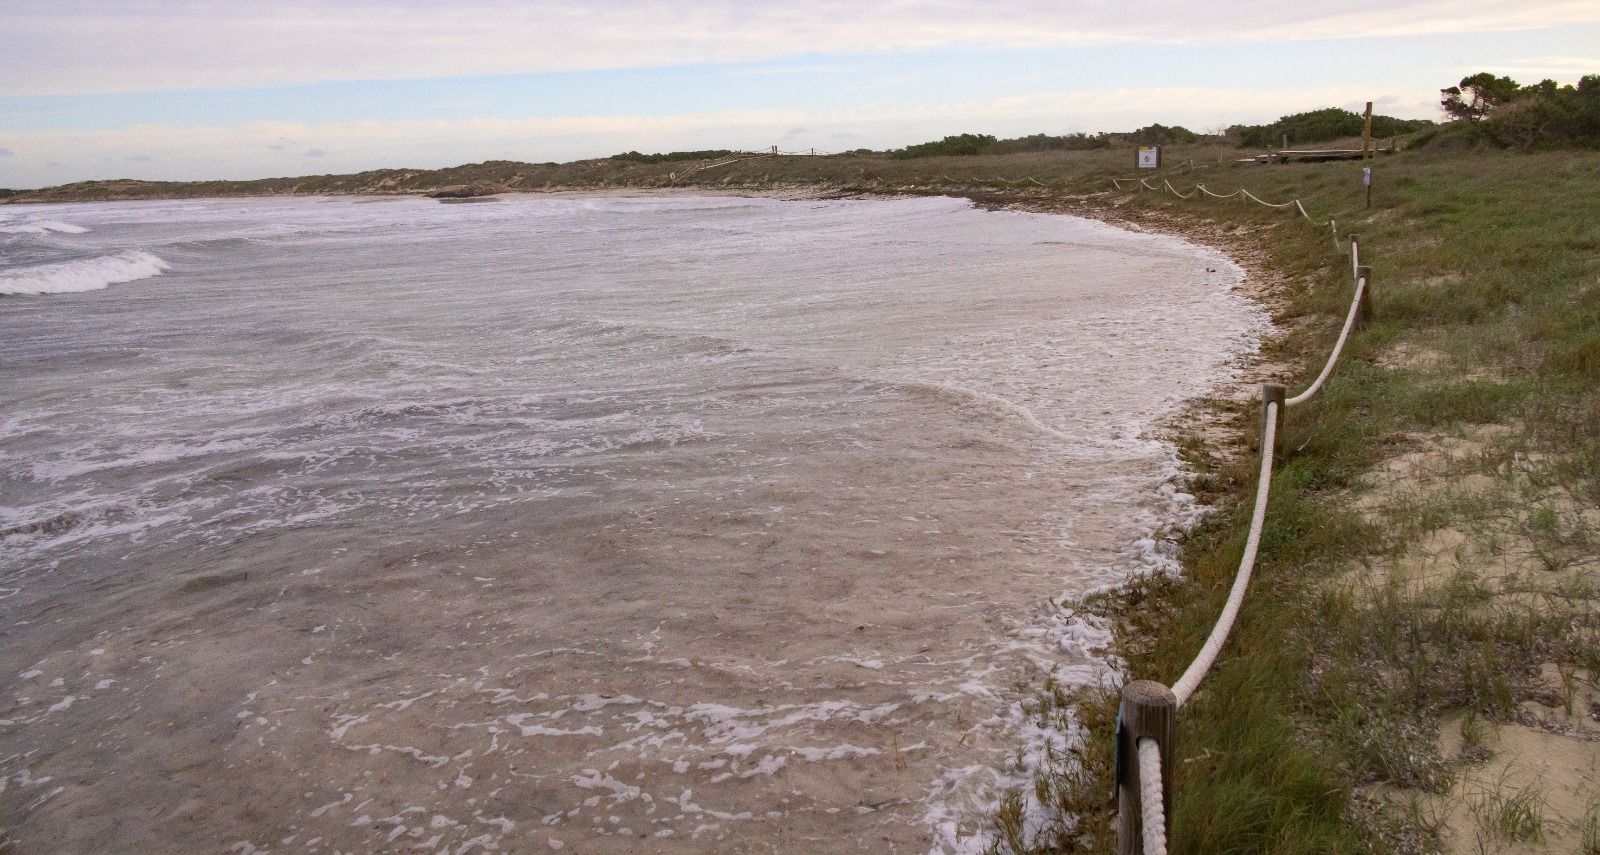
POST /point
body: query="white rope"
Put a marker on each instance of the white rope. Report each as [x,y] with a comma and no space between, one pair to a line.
[1349,323]
[1303,211]
[1230,612]
[1036,181]
[1208,192]
[1248,195]
[1147,185]
[1355,258]
[1151,805]
[1333,227]
[1175,190]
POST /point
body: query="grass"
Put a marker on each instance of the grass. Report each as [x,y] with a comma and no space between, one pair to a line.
[1504,814]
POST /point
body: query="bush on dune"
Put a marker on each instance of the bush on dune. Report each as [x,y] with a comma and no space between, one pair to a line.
[1501,112]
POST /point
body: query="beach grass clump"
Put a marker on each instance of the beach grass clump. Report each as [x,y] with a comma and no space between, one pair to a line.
[1590,831]
[1507,813]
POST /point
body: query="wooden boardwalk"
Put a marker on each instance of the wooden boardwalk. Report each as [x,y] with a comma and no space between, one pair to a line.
[1315,155]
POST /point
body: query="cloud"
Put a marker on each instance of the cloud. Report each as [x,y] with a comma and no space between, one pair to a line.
[1565,67]
[139,158]
[236,151]
[81,46]
[6,152]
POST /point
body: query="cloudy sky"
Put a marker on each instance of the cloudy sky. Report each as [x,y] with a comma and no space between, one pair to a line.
[174,89]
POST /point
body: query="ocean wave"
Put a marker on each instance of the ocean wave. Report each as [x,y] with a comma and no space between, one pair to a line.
[86,274]
[39,227]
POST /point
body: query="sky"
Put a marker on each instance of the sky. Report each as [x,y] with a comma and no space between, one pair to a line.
[225,89]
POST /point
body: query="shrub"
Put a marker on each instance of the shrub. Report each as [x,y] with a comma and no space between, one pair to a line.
[1320,126]
[708,154]
[1541,115]
[960,144]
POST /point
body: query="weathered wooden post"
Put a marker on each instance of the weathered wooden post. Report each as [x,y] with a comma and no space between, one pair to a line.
[1149,711]
[1364,307]
[1272,393]
[1366,135]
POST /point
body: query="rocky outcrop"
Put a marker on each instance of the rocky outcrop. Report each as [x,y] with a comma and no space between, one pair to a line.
[467,191]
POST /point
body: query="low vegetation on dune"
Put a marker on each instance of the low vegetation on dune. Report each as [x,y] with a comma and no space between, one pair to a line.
[709,154]
[985,144]
[1321,126]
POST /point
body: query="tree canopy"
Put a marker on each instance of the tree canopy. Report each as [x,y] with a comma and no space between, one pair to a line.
[1476,96]
[1329,123]
[1543,114]
[974,144]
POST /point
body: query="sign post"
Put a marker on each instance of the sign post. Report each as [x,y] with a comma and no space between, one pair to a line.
[1149,157]
[1366,181]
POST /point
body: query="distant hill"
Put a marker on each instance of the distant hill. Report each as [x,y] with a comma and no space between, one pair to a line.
[504,173]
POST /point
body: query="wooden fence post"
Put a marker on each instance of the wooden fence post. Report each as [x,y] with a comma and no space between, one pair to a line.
[1366,135]
[1272,393]
[1364,308]
[1149,711]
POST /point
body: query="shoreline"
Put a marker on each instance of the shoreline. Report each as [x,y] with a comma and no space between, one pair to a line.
[1112,557]
[1212,416]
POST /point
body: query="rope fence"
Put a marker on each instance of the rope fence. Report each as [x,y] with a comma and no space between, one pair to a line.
[1152,812]
[1351,319]
[1147,717]
[1201,188]
[1175,190]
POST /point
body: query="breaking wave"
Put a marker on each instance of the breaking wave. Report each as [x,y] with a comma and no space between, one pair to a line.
[87,274]
[39,227]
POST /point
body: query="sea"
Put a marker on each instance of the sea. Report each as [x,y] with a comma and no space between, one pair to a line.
[607,523]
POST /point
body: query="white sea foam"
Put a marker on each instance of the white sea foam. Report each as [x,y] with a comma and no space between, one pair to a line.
[626,392]
[86,274]
[40,227]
